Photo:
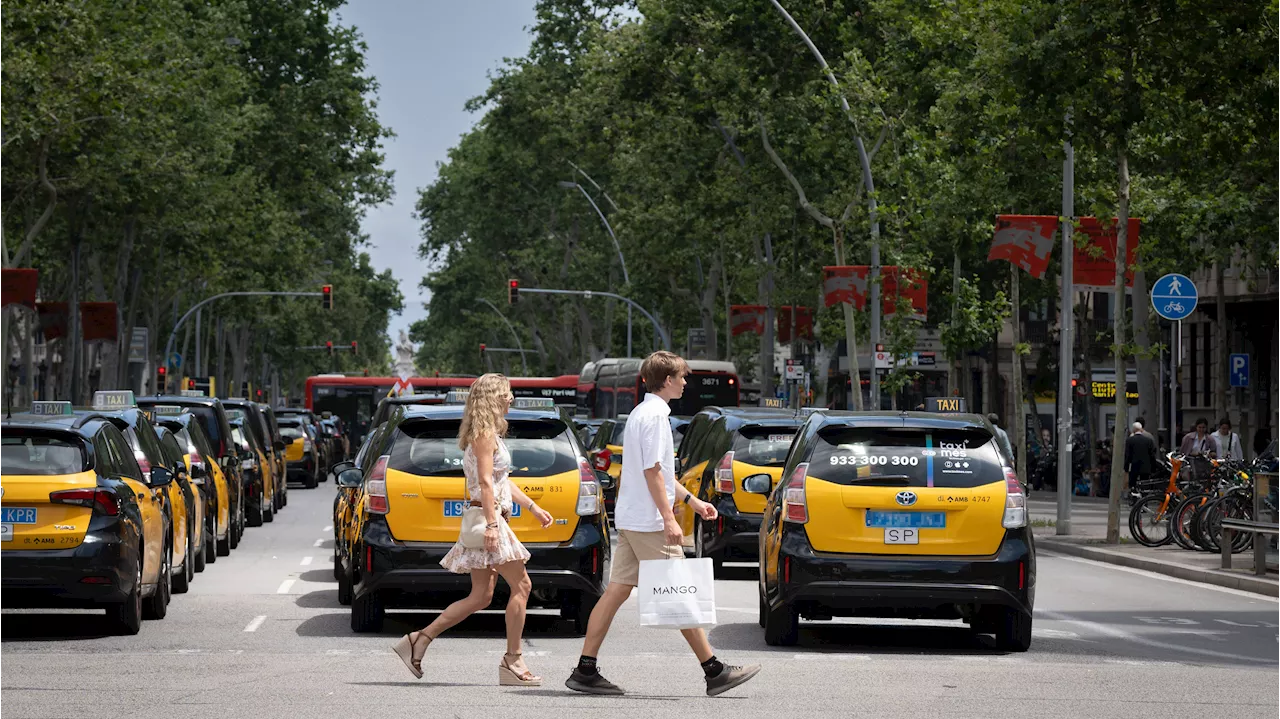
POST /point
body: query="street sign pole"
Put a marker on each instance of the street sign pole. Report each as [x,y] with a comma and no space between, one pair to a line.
[1176,330]
[1065,356]
[1174,297]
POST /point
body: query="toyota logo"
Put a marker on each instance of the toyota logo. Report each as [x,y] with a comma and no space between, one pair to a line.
[906,499]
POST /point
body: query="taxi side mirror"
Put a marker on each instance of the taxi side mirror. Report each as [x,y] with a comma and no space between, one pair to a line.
[341,467]
[758,484]
[160,477]
[604,479]
[279,445]
[350,478]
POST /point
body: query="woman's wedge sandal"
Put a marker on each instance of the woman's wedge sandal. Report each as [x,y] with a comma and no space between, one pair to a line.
[509,676]
[406,649]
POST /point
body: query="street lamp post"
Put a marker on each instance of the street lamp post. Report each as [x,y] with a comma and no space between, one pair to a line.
[625,277]
[515,334]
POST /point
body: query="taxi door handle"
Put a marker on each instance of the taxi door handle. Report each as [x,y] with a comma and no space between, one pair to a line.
[142,495]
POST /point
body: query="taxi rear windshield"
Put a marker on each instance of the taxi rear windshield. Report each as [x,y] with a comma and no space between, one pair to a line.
[42,455]
[763,446]
[539,448]
[905,457]
[290,431]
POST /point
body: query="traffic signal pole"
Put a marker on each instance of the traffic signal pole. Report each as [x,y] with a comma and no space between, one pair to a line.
[657,328]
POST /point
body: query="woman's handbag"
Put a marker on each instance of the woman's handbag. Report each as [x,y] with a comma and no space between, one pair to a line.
[473,526]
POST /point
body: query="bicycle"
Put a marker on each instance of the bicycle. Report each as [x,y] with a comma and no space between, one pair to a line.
[1151,511]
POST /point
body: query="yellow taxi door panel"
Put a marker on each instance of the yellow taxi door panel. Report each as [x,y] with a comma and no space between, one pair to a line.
[691,479]
[615,467]
[420,508]
[558,494]
[223,520]
[46,525]
[178,523]
[268,475]
[293,452]
[838,518]
[152,528]
[752,503]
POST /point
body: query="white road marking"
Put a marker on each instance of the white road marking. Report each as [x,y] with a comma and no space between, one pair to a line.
[319,543]
[257,622]
[743,610]
[1153,575]
[329,528]
[285,586]
[306,561]
[1139,639]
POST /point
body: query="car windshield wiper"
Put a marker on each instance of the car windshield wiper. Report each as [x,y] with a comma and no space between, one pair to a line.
[883,479]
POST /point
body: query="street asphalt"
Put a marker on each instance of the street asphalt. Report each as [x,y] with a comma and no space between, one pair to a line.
[261,634]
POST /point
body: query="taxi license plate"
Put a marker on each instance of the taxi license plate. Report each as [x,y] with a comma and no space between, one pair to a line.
[6,532]
[906,520]
[454,507]
[903,535]
[18,515]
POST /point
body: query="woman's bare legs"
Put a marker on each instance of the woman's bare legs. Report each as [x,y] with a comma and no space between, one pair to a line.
[518,580]
[482,583]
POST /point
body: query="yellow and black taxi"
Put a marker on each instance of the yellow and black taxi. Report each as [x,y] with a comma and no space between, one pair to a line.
[727,451]
[255,470]
[347,517]
[81,524]
[301,455]
[605,455]
[196,502]
[410,508]
[120,407]
[206,474]
[278,447]
[309,419]
[910,515]
[255,423]
[211,415]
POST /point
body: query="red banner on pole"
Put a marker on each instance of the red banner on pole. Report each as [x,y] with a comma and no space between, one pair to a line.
[1094,266]
[804,323]
[906,282]
[845,283]
[746,318]
[99,321]
[53,319]
[1024,240]
[18,286]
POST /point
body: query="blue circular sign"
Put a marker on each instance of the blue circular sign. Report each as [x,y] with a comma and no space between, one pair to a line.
[1174,296]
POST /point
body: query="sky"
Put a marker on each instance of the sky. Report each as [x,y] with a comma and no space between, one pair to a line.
[429,57]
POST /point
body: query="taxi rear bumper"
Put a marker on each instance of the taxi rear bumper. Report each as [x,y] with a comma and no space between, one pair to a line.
[409,575]
[932,587]
[735,534]
[302,470]
[99,571]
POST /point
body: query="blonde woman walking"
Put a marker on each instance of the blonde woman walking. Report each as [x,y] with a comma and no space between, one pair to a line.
[486,464]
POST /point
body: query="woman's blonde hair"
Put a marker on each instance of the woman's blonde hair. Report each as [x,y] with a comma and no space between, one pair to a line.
[486,410]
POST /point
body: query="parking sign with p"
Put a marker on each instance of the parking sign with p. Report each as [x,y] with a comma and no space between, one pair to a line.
[1239,364]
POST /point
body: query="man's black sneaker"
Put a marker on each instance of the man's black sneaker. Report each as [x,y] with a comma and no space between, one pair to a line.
[729,678]
[595,684]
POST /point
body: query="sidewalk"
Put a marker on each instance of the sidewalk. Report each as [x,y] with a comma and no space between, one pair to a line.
[1088,535]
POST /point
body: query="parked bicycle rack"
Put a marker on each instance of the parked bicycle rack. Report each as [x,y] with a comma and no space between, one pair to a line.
[1263,484]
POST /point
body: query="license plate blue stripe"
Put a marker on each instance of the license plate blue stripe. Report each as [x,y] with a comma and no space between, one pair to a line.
[18,515]
[906,520]
[454,507]
[928,460]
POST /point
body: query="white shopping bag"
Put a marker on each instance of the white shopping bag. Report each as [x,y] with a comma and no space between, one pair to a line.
[677,593]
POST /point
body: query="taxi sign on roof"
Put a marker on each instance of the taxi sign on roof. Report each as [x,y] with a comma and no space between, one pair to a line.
[457,396]
[534,403]
[772,402]
[113,399]
[192,393]
[51,408]
[945,404]
[234,414]
[167,409]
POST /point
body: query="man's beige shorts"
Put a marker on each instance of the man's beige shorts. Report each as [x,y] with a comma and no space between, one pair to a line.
[634,547]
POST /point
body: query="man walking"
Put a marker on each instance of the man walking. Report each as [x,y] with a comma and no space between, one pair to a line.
[1139,457]
[647,527]
[1228,442]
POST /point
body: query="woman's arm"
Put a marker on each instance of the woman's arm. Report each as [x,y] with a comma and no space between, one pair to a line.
[483,448]
[518,496]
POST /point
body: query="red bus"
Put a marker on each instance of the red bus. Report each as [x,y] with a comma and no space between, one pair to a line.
[355,399]
[612,386]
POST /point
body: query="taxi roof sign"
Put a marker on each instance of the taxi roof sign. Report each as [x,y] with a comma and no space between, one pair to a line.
[113,399]
[534,403]
[945,404]
[168,409]
[49,407]
[771,402]
[192,393]
[235,413]
[457,396]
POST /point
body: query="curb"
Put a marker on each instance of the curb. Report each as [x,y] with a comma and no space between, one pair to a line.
[1181,571]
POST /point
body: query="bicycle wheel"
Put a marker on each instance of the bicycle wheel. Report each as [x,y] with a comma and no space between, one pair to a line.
[1147,525]
[1236,506]
[1207,525]
[1180,520]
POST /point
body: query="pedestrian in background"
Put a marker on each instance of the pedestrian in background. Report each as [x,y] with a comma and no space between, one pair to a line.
[1198,443]
[486,464]
[1002,438]
[1228,442]
[648,529]
[1139,457]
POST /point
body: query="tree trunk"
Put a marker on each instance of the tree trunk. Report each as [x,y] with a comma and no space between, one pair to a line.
[953,368]
[220,347]
[1222,335]
[1016,422]
[1148,370]
[1086,382]
[764,294]
[850,329]
[1119,479]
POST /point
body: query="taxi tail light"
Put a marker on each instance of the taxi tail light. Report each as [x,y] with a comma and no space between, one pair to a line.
[604,460]
[724,475]
[1015,503]
[376,487]
[793,498]
[102,501]
[144,464]
[588,490]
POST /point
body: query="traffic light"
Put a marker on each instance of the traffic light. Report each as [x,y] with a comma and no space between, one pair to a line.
[191,383]
[329,346]
[481,353]
[326,297]
[161,377]
[513,291]
[354,347]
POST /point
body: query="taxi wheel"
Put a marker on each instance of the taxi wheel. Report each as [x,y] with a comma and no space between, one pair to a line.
[367,613]
[126,617]
[1013,631]
[255,515]
[763,609]
[269,514]
[202,553]
[781,626]
[337,563]
[344,585]
[157,605]
[181,581]
[582,613]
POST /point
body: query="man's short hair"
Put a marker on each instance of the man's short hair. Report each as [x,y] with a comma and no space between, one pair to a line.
[1226,421]
[661,366]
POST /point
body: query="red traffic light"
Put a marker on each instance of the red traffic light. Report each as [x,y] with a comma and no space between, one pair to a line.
[354,347]
[191,384]
[326,297]
[329,346]
[161,371]
[513,291]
